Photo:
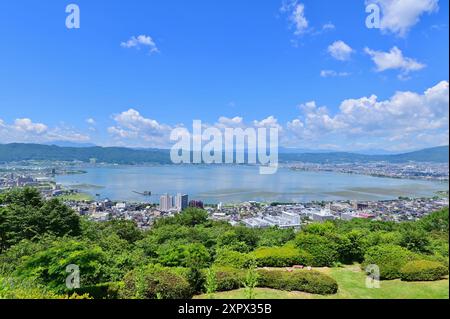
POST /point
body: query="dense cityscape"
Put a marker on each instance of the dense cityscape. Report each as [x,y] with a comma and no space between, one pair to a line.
[411,170]
[251,214]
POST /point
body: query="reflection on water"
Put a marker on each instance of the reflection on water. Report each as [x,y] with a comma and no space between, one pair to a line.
[231,184]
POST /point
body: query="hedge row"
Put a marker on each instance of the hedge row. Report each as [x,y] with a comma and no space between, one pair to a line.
[229,278]
[423,270]
[155,283]
[299,280]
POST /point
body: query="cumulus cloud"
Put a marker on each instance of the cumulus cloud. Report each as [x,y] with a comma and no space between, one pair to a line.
[394,60]
[225,122]
[269,122]
[399,16]
[139,42]
[133,129]
[25,130]
[131,125]
[340,50]
[407,118]
[26,125]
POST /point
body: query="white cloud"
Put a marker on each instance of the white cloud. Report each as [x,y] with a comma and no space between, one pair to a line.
[340,50]
[295,12]
[90,121]
[139,130]
[332,73]
[269,122]
[26,125]
[406,120]
[132,129]
[225,122]
[296,15]
[399,16]
[393,60]
[140,41]
[299,19]
[25,130]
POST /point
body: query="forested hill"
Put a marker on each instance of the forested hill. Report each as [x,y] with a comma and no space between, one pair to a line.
[118,155]
[121,155]
[436,154]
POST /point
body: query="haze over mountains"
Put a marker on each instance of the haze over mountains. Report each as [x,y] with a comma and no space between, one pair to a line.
[120,155]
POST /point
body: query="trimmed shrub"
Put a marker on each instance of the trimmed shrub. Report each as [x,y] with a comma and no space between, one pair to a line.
[299,280]
[389,258]
[323,251]
[229,278]
[155,283]
[231,258]
[423,270]
[281,257]
[109,290]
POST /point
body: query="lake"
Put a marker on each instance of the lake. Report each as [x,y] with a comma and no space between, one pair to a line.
[233,184]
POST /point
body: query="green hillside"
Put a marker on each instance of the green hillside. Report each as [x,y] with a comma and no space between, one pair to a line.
[122,155]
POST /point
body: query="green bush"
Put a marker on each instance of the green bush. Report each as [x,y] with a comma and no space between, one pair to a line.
[155,283]
[423,270]
[228,278]
[389,258]
[231,258]
[323,251]
[11,288]
[108,290]
[49,267]
[281,257]
[298,280]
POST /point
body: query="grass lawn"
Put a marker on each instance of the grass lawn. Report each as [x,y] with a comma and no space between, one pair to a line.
[351,281]
[77,197]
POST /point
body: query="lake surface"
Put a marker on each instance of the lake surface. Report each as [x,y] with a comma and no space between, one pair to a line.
[233,184]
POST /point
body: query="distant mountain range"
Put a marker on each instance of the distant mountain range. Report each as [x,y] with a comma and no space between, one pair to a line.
[436,154]
[116,155]
[122,155]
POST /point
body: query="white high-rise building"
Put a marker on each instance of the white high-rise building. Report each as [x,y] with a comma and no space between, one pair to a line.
[165,203]
[181,202]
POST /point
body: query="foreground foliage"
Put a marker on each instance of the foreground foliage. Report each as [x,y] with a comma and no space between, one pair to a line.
[189,254]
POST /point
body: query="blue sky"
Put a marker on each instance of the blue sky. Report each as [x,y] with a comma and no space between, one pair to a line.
[291,64]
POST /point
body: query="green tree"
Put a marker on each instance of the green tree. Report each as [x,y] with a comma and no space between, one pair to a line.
[48,267]
[324,252]
[436,222]
[251,282]
[414,239]
[210,282]
[192,217]
[25,215]
[275,236]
